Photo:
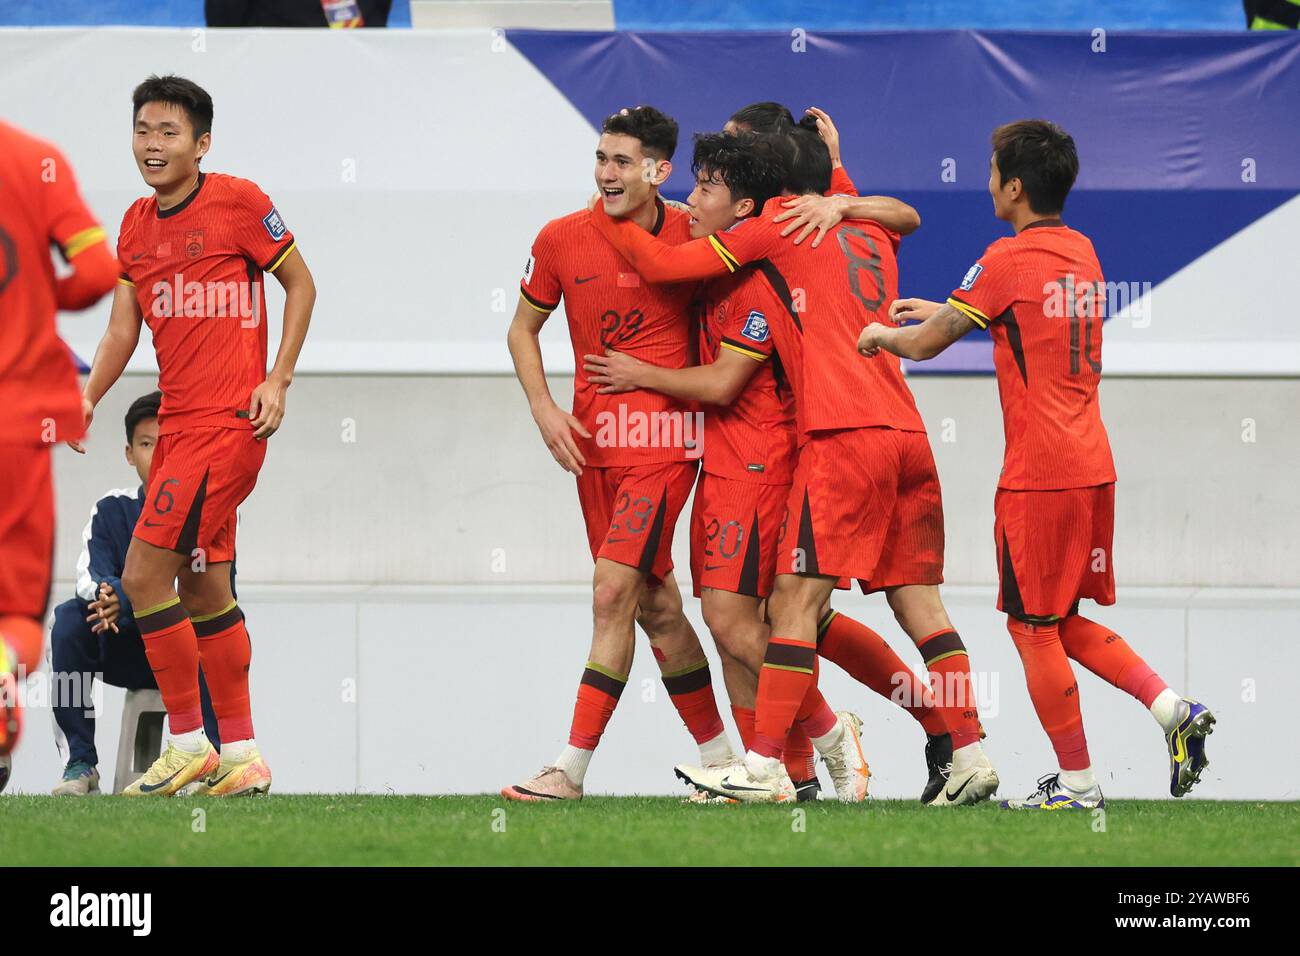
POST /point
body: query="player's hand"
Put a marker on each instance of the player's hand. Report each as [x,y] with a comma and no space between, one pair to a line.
[87,413]
[829,134]
[557,427]
[873,337]
[105,610]
[808,213]
[266,408]
[912,310]
[613,372]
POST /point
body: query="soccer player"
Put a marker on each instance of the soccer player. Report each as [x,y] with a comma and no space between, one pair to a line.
[748,463]
[1041,294]
[634,456]
[865,502]
[40,206]
[193,255]
[856,648]
[94,633]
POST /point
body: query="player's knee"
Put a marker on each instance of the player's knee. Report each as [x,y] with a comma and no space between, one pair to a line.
[613,600]
[69,625]
[659,609]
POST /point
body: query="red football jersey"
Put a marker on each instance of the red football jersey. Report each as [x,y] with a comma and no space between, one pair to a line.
[610,306]
[39,205]
[1042,295]
[753,438]
[841,183]
[827,295]
[197,269]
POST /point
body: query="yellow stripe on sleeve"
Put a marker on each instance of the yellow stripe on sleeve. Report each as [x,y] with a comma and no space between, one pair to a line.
[748,353]
[972,313]
[727,257]
[125,281]
[276,264]
[82,241]
[534,306]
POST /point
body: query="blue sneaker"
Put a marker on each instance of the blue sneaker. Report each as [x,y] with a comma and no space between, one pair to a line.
[1186,744]
[79,779]
[1054,795]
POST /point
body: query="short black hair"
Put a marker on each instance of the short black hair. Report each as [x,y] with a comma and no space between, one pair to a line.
[656,131]
[177,91]
[747,163]
[807,161]
[1042,156]
[142,409]
[765,117]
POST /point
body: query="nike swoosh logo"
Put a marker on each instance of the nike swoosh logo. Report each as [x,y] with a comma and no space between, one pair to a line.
[954,796]
[727,785]
[213,781]
[713,567]
[152,524]
[577,281]
[150,788]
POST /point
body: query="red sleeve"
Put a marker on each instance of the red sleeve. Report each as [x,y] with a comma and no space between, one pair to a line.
[989,287]
[260,231]
[660,262]
[540,287]
[79,236]
[67,220]
[746,329]
[841,184]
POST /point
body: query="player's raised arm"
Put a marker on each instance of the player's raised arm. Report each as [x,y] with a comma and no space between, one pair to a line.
[943,324]
[660,262]
[804,214]
[556,425]
[266,405]
[717,383]
[114,351]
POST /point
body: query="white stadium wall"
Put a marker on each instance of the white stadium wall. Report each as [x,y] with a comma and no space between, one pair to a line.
[410,533]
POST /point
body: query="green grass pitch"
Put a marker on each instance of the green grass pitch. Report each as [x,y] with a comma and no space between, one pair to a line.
[354,830]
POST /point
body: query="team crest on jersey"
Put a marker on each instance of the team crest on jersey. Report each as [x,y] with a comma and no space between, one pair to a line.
[275,226]
[194,244]
[972,274]
[755,327]
[528,268]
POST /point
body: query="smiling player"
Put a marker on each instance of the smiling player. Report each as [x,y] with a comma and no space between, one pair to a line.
[634,456]
[193,255]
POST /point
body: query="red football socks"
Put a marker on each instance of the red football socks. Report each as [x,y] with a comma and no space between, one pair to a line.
[1053,690]
[225,652]
[173,651]
[954,691]
[598,695]
[868,659]
[1110,657]
[691,690]
[783,682]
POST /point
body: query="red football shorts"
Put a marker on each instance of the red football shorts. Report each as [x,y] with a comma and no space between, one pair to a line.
[1054,547]
[26,529]
[734,527]
[198,478]
[865,504]
[631,511]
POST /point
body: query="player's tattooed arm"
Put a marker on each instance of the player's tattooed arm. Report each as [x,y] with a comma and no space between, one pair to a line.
[715,384]
[940,326]
[114,351]
[556,425]
[266,404]
[809,213]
